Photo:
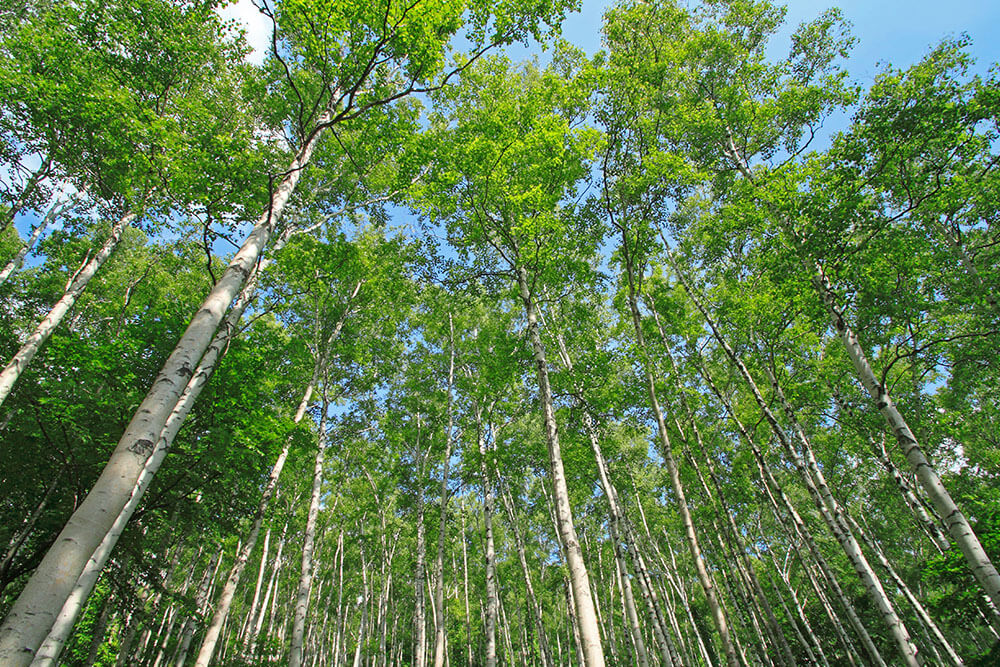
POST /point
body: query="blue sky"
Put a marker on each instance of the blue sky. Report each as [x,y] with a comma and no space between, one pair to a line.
[892,31]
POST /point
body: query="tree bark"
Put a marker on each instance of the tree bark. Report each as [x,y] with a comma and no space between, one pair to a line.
[465,583]
[63,625]
[919,608]
[12,371]
[931,526]
[840,520]
[745,567]
[958,526]
[30,618]
[589,632]
[222,609]
[258,587]
[250,642]
[666,451]
[490,624]
[439,616]
[15,263]
[419,608]
[296,647]
[364,611]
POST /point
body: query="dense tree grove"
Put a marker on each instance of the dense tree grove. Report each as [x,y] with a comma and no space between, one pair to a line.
[392,351]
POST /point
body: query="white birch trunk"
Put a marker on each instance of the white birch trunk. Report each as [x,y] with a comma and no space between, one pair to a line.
[958,526]
[419,576]
[590,635]
[919,608]
[32,615]
[296,647]
[439,616]
[465,582]
[362,624]
[12,371]
[839,521]
[666,451]
[254,604]
[931,526]
[15,263]
[615,528]
[490,622]
[62,628]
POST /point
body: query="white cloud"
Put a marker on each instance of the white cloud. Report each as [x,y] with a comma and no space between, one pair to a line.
[255,25]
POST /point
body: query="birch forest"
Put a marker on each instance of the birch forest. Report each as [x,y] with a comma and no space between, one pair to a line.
[394,349]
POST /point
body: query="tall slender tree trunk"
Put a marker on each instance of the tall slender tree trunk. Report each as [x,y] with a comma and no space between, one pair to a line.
[202,600]
[296,646]
[56,210]
[931,526]
[666,451]
[608,628]
[590,635]
[490,621]
[770,483]
[812,647]
[30,618]
[816,485]
[958,525]
[465,584]
[211,638]
[128,638]
[258,587]
[797,536]
[250,642]
[742,563]
[25,194]
[338,640]
[420,569]
[529,587]
[919,608]
[229,590]
[670,572]
[362,624]
[744,566]
[619,533]
[630,615]
[63,625]
[12,371]
[439,619]
[97,633]
[844,522]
